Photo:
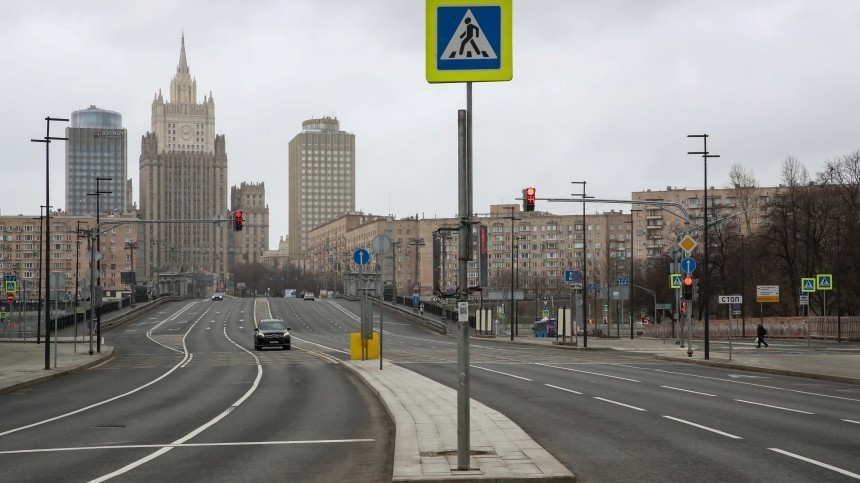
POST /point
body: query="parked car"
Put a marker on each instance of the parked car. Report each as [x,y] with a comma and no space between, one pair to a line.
[272,333]
[309,296]
[217,296]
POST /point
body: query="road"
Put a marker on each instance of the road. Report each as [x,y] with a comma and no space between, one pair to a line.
[187,376]
[612,416]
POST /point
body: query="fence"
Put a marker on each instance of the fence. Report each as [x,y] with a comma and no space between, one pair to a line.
[848,328]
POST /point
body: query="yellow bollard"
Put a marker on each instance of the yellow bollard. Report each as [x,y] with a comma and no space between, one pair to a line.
[357,346]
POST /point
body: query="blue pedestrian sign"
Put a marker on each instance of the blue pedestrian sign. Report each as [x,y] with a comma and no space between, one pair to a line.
[469,40]
[688,265]
[824,282]
[807,285]
[675,280]
[361,256]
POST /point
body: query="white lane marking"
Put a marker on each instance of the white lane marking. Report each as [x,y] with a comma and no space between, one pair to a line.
[586,372]
[703,427]
[502,373]
[618,403]
[687,390]
[774,407]
[204,427]
[850,421]
[100,403]
[562,389]
[187,445]
[817,463]
[320,345]
[742,382]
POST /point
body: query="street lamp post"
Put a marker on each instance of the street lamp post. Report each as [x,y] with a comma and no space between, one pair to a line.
[98,247]
[131,246]
[47,140]
[584,267]
[513,242]
[39,287]
[630,292]
[704,297]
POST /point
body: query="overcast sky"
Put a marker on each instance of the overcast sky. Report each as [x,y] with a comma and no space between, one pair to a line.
[604,92]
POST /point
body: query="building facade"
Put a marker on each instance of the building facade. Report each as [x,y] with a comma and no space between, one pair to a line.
[249,244]
[658,227]
[97,148]
[321,179]
[183,184]
[22,249]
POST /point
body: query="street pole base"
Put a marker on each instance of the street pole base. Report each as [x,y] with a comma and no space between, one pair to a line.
[689,354]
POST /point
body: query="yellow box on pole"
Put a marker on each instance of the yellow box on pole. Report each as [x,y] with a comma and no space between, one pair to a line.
[371,346]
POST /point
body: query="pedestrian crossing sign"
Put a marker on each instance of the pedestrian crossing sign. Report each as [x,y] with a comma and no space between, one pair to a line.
[807,285]
[469,40]
[675,280]
[824,281]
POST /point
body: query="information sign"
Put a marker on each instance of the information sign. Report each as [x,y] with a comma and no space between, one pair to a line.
[767,293]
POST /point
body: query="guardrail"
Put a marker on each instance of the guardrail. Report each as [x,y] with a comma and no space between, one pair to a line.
[137,312]
[405,313]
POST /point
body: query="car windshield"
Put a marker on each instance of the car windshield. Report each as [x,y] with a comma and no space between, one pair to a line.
[272,325]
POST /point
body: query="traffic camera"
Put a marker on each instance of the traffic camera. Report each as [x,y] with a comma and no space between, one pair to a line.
[529,199]
[238,219]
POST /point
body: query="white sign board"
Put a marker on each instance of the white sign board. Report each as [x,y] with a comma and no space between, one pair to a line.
[767,293]
[462,311]
[731,299]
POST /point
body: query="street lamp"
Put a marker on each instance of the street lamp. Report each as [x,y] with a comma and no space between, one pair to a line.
[98,247]
[704,297]
[584,268]
[630,292]
[47,140]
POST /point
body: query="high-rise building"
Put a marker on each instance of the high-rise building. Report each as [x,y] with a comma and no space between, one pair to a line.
[97,148]
[183,176]
[321,179]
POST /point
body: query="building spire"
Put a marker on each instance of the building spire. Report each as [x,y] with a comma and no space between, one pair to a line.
[183,64]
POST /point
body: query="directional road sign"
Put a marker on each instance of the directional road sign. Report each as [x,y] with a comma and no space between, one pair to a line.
[675,280]
[572,276]
[824,281]
[361,256]
[688,265]
[622,281]
[687,243]
[469,40]
[767,293]
[807,285]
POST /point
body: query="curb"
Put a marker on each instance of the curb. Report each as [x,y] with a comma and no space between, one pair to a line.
[59,373]
[765,370]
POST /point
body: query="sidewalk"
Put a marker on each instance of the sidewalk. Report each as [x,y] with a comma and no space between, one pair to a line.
[425,412]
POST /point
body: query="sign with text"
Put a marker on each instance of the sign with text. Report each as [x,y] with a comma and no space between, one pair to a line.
[730,299]
[767,293]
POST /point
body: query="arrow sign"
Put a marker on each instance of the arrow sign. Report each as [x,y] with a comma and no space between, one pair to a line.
[361,256]
[688,265]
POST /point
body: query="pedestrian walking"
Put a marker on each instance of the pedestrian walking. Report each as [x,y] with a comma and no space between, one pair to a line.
[760,332]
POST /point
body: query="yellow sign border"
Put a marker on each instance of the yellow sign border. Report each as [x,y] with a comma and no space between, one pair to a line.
[505,72]
[672,280]
[814,284]
[818,277]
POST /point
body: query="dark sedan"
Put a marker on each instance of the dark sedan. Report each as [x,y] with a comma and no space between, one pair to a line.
[272,333]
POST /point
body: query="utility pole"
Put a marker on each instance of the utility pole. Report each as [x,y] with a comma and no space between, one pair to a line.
[98,246]
[417,242]
[513,244]
[131,246]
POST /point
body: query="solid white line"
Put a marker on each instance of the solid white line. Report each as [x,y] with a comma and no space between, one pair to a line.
[818,463]
[620,404]
[703,427]
[586,372]
[502,373]
[850,421]
[687,390]
[186,445]
[774,407]
[563,389]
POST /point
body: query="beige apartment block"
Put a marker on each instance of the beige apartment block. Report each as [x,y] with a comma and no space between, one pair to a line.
[321,179]
[545,245]
[658,227]
[22,248]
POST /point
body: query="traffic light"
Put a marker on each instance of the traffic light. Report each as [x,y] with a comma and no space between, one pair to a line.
[688,288]
[237,220]
[529,199]
[696,290]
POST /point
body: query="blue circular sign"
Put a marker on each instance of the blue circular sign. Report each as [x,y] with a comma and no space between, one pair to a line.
[688,265]
[361,256]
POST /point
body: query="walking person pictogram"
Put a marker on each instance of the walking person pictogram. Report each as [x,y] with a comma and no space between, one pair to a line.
[472,32]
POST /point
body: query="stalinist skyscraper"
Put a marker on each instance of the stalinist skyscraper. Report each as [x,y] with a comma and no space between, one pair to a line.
[183,176]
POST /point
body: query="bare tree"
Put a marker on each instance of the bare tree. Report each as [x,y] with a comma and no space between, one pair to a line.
[744,183]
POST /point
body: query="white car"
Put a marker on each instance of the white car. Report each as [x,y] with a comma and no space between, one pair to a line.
[309,296]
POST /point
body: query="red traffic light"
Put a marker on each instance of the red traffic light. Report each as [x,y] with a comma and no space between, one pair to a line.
[688,281]
[238,219]
[529,199]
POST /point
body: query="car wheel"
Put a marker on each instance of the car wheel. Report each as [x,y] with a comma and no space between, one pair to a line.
[256,347]
[285,347]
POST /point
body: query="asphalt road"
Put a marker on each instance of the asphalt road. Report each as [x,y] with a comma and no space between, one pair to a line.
[612,416]
[188,374]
